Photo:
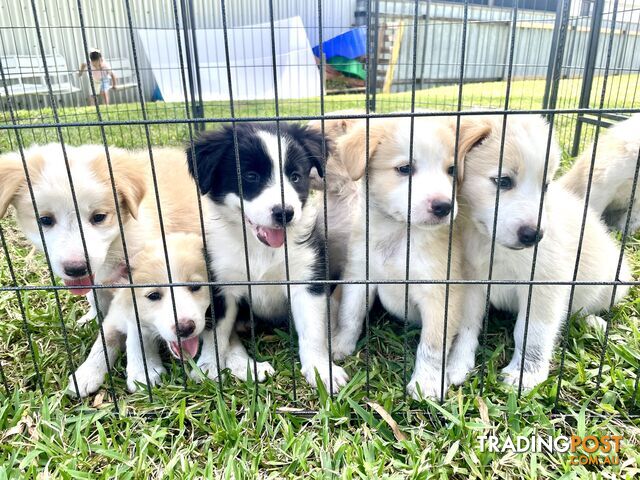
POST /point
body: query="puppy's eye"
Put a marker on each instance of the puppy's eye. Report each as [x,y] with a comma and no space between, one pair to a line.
[47,221]
[295,178]
[154,296]
[251,177]
[98,218]
[195,288]
[405,170]
[451,170]
[503,183]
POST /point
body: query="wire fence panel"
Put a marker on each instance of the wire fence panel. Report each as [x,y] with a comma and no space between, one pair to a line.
[118,119]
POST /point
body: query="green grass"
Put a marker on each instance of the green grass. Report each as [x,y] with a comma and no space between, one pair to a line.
[202,432]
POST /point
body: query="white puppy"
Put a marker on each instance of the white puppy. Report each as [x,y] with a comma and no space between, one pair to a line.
[135,195]
[613,171]
[521,183]
[432,208]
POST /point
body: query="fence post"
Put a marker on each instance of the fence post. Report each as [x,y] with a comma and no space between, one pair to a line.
[556,55]
[372,39]
[192,64]
[589,68]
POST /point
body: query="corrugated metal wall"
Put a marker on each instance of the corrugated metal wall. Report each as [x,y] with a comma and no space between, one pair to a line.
[439,43]
[107,27]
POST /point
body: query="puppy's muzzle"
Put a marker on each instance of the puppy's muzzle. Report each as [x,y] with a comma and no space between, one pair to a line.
[282,216]
[75,269]
[441,208]
[529,236]
[185,328]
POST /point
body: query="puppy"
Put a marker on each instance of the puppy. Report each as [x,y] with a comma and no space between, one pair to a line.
[274,200]
[521,183]
[155,306]
[342,192]
[96,204]
[432,174]
[613,172]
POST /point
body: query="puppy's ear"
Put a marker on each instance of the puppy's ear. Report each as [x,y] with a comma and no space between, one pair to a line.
[473,131]
[11,179]
[352,147]
[311,139]
[130,176]
[206,153]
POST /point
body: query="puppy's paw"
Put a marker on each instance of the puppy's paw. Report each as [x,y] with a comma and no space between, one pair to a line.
[205,370]
[341,348]
[138,377]
[599,324]
[240,369]
[87,317]
[89,381]
[426,385]
[458,367]
[530,377]
[338,375]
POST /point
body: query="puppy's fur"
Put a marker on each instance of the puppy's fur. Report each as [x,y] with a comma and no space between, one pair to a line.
[97,208]
[613,171]
[155,312]
[431,213]
[521,187]
[262,194]
[342,191]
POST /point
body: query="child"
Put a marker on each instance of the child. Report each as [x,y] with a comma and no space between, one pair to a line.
[100,73]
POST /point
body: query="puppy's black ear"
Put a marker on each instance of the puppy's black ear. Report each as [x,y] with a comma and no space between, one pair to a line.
[205,155]
[311,141]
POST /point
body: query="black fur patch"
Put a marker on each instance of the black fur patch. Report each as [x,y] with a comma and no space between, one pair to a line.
[213,159]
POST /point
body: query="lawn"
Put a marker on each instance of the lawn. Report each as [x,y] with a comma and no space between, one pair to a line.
[245,430]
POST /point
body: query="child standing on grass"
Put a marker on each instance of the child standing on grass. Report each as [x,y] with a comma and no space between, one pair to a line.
[102,77]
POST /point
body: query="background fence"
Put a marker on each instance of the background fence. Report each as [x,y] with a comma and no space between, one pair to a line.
[575,62]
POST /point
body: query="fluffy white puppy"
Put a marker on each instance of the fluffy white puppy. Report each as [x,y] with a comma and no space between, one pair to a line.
[521,183]
[613,171]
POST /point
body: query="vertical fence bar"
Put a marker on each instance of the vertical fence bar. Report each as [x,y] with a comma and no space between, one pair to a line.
[199,105]
[589,69]
[77,216]
[155,182]
[240,191]
[556,55]
[116,201]
[409,192]
[588,195]
[327,270]
[197,183]
[23,315]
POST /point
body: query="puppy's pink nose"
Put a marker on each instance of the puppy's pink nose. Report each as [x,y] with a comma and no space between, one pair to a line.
[185,328]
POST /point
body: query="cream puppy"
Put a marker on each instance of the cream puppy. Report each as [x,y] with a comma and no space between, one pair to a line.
[135,195]
[613,172]
[432,174]
[155,308]
[521,183]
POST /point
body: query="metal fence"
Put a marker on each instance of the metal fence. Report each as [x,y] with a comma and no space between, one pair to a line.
[590,66]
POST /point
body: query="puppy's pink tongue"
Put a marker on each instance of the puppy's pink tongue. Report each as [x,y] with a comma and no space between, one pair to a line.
[190,346]
[75,286]
[274,237]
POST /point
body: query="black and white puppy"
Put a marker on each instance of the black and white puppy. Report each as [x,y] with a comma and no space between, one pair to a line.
[275,198]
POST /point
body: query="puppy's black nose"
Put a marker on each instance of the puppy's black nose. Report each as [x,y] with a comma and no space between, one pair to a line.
[282,216]
[75,269]
[440,208]
[528,236]
[185,328]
